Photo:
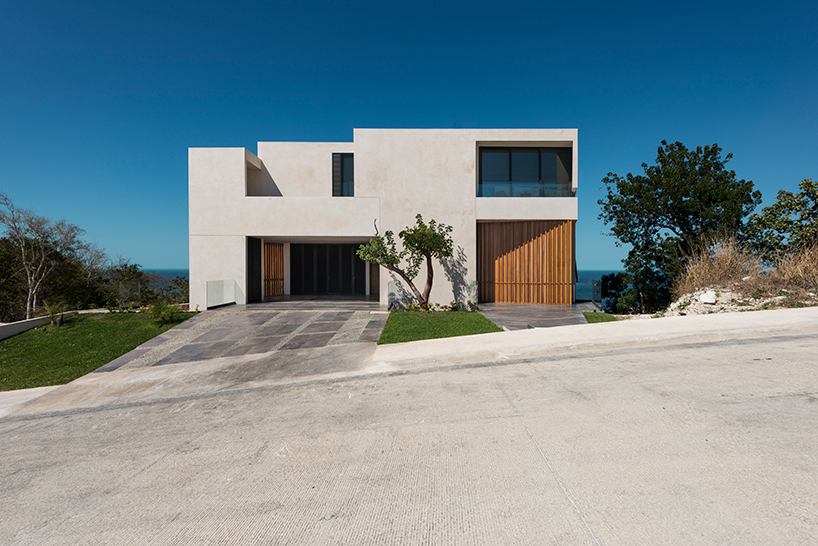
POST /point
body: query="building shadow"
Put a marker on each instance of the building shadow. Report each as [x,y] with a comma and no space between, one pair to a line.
[457,274]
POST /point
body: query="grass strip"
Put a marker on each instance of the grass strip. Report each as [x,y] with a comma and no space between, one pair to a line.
[415,325]
[592,317]
[82,344]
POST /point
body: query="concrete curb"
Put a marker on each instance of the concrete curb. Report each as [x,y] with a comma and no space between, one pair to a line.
[542,341]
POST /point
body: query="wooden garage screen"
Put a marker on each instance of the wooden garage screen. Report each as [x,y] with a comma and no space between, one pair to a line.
[526,262]
[273,269]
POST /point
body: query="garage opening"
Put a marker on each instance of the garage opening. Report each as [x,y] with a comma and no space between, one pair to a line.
[331,269]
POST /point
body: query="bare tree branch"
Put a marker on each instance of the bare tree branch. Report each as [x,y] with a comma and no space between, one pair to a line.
[40,240]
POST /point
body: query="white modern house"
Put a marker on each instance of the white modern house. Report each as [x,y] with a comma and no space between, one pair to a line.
[287,220]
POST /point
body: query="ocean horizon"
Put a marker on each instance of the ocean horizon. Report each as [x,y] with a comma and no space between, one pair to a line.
[584,278]
[585,288]
[169,272]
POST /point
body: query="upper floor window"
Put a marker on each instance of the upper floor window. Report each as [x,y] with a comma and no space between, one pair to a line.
[343,175]
[524,172]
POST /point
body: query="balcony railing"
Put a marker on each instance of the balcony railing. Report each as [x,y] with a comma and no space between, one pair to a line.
[504,189]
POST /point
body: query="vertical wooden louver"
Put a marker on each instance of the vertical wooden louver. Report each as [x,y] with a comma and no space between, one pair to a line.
[273,269]
[526,262]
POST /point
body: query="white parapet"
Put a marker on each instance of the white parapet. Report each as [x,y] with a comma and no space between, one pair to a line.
[224,292]
[14,328]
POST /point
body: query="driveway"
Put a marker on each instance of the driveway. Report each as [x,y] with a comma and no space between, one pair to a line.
[257,329]
[694,430]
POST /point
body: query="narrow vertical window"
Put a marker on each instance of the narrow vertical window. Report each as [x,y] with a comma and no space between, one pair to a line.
[343,175]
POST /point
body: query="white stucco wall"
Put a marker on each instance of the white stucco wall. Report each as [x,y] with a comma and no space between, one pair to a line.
[517,208]
[398,173]
[431,172]
[222,216]
[302,169]
[434,172]
[216,258]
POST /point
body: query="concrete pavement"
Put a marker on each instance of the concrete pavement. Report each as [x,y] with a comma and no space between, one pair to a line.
[698,430]
[10,399]
[522,316]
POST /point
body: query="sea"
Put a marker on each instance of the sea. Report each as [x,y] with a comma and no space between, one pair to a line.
[584,278]
[170,272]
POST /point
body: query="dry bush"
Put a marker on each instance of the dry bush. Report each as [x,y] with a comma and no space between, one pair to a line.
[726,264]
[799,271]
[722,263]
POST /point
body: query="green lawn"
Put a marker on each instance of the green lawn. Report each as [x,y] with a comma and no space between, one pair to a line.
[81,345]
[414,325]
[592,317]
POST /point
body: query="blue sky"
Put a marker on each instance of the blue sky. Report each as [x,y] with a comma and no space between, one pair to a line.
[100,101]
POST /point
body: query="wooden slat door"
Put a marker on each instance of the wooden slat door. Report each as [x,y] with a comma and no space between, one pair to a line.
[273,270]
[526,262]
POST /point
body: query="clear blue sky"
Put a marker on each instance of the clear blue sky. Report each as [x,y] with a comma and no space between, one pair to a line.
[99,101]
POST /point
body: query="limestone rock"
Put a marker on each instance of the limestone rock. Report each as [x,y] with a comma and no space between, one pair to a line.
[708,297]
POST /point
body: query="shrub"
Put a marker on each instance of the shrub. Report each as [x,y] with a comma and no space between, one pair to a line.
[453,306]
[164,312]
[800,270]
[55,312]
[720,263]
[727,263]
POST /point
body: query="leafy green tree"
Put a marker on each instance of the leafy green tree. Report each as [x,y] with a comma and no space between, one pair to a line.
[168,289]
[614,289]
[12,284]
[421,242]
[71,282]
[645,288]
[687,198]
[128,286]
[788,224]
[651,270]
[178,290]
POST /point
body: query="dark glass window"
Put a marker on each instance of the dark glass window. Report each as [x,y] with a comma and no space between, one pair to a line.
[343,175]
[495,173]
[348,176]
[525,172]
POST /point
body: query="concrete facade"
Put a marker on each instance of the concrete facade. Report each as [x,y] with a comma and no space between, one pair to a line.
[284,195]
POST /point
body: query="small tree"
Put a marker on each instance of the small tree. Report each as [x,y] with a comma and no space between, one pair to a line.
[787,225]
[39,241]
[420,242]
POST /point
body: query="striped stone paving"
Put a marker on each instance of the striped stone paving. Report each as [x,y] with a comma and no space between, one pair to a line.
[262,328]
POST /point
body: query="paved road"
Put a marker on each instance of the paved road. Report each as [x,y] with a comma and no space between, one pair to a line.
[647,439]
